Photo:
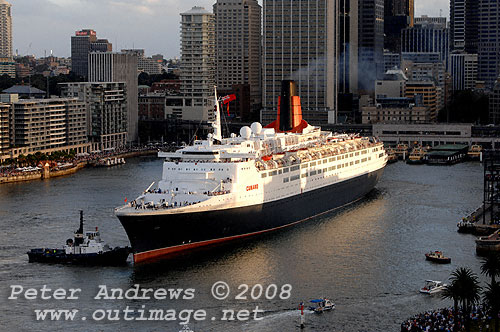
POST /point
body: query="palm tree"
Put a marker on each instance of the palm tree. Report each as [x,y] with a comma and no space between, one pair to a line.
[490,266]
[451,291]
[466,289]
[492,300]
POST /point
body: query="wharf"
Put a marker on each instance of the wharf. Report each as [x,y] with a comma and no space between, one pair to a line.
[472,224]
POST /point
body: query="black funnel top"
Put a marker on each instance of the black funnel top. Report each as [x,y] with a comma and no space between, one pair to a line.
[288,90]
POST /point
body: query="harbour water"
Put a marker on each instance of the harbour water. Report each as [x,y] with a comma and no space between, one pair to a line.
[367,257]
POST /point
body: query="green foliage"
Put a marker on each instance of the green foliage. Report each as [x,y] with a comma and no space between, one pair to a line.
[466,106]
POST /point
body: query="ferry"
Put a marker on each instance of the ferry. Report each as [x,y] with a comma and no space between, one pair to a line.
[475,152]
[264,179]
[391,156]
[401,151]
[417,156]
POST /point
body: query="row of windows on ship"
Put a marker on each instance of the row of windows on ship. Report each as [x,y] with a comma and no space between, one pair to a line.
[317,171]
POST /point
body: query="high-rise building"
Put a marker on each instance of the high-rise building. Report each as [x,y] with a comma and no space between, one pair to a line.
[145,64]
[428,92]
[426,39]
[435,21]
[4,127]
[198,63]
[391,61]
[463,69]
[398,15]
[5,30]
[464,23]
[106,108]
[238,47]
[42,124]
[370,43]
[118,67]
[489,42]
[82,43]
[494,113]
[300,43]
[7,65]
[348,46]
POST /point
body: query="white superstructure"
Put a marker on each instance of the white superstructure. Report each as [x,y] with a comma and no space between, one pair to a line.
[256,167]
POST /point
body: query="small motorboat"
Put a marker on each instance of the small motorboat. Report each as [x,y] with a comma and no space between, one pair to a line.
[322,305]
[437,257]
[85,249]
[432,286]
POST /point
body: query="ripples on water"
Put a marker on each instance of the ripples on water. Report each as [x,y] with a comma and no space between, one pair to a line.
[368,257]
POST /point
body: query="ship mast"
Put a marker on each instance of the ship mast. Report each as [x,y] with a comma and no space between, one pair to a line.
[217,135]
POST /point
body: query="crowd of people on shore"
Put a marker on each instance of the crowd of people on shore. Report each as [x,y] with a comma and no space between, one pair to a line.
[442,320]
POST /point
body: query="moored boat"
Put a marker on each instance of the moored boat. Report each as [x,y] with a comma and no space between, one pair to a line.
[474,152]
[401,151]
[437,257]
[86,249]
[417,156]
[391,156]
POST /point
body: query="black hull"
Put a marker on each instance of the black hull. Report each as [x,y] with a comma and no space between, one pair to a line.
[117,256]
[161,235]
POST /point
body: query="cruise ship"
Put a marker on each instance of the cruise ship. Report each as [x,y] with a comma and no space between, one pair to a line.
[264,179]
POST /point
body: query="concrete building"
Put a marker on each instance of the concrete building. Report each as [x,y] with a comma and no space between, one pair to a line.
[7,65]
[300,43]
[82,44]
[6,30]
[118,67]
[198,63]
[397,110]
[463,69]
[392,86]
[370,43]
[398,15]
[426,39]
[48,124]
[146,65]
[494,112]
[106,112]
[427,91]
[427,20]
[238,47]
[348,46]
[489,42]
[152,106]
[5,111]
[464,24]
[392,61]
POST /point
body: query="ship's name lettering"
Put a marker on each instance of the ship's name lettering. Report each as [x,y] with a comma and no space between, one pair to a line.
[253,187]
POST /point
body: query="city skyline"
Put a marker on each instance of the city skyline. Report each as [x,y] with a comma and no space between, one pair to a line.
[42,26]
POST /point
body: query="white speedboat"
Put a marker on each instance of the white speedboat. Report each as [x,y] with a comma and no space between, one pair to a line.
[432,286]
[322,305]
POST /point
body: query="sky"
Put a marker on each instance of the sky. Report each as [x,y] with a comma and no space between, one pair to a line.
[42,26]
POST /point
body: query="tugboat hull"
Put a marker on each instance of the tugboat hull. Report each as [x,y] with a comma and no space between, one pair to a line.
[117,256]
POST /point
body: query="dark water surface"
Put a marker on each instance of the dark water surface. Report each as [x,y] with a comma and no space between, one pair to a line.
[368,257]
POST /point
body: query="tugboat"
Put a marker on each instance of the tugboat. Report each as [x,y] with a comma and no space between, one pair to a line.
[85,249]
[322,305]
[437,257]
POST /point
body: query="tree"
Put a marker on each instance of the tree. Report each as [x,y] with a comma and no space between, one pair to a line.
[492,301]
[490,266]
[452,292]
[466,289]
